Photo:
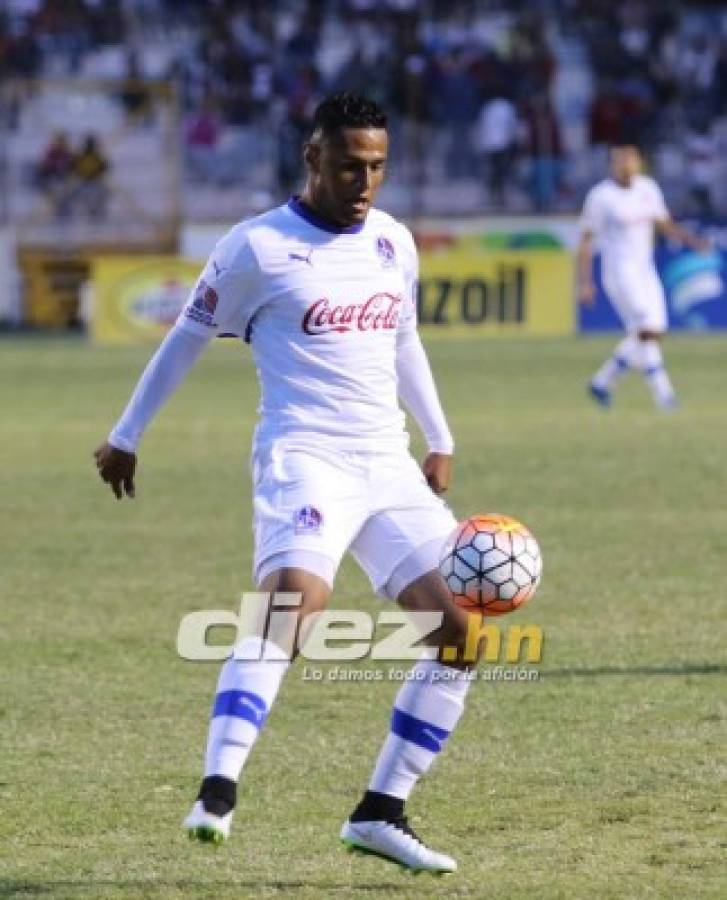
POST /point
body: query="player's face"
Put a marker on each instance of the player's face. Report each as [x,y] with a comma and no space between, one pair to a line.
[625,164]
[346,172]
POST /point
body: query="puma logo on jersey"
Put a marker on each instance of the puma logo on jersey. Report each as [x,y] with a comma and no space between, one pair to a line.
[301,258]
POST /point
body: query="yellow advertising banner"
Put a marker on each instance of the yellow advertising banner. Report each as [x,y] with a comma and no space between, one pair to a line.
[137,298]
[468,286]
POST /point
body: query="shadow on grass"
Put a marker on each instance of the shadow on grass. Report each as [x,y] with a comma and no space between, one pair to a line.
[76,888]
[597,671]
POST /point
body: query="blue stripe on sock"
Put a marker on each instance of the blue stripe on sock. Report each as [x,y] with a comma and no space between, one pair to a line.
[653,370]
[241,704]
[621,363]
[426,735]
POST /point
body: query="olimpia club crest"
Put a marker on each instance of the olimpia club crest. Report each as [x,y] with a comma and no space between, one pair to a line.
[385,251]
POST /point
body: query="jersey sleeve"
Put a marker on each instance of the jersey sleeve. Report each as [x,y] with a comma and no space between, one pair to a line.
[660,210]
[410,266]
[226,294]
[590,221]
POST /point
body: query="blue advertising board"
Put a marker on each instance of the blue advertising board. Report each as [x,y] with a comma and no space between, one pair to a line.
[695,285]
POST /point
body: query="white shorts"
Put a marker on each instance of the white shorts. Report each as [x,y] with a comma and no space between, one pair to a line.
[637,295]
[319,503]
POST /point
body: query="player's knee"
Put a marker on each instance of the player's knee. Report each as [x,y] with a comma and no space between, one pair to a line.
[430,594]
[313,589]
[648,335]
[460,642]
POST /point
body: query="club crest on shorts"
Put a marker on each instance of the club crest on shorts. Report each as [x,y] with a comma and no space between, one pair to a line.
[308,520]
[385,251]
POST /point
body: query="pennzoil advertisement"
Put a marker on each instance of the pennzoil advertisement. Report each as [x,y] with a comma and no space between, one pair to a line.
[492,283]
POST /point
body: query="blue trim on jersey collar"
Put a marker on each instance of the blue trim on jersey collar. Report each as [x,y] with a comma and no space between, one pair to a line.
[305,212]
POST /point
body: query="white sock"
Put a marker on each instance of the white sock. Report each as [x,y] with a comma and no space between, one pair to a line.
[654,371]
[245,692]
[623,358]
[426,710]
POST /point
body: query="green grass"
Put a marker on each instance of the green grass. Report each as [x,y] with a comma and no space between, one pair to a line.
[604,779]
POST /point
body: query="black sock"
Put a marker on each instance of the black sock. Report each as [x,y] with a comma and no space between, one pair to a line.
[218,794]
[378,807]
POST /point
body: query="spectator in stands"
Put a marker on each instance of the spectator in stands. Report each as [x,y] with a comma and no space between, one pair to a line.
[701,154]
[54,173]
[90,171]
[660,69]
[201,139]
[134,97]
[454,101]
[293,129]
[496,138]
[544,149]
[720,79]
[532,62]
[606,116]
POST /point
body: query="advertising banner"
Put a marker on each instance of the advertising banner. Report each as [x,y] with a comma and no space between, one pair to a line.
[695,285]
[488,284]
[137,298]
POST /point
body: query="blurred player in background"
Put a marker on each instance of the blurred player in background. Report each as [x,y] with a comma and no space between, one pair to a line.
[324,290]
[619,217]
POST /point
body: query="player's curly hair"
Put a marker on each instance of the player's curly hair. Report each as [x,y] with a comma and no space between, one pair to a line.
[347,110]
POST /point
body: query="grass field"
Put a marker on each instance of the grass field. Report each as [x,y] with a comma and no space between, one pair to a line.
[604,779]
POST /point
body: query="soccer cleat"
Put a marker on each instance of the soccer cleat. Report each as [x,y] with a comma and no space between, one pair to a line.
[600,395]
[207,827]
[668,403]
[395,841]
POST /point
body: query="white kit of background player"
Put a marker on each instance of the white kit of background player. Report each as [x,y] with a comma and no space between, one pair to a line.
[619,216]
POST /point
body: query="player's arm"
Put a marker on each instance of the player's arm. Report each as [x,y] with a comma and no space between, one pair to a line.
[418,393]
[591,219]
[116,456]
[586,288]
[665,224]
[221,301]
[416,386]
[681,235]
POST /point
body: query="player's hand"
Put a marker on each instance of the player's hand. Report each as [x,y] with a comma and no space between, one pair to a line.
[587,293]
[116,467]
[437,468]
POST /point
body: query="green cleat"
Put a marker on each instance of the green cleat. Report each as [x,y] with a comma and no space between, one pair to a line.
[395,842]
[206,827]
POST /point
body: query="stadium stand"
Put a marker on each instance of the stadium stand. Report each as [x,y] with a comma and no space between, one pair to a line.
[232,83]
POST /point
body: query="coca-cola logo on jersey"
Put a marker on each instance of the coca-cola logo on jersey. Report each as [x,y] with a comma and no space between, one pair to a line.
[378,312]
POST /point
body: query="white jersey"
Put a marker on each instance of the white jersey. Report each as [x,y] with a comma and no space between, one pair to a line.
[622,221]
[322,310]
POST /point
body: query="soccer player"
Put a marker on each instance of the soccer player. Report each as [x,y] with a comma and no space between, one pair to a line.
[619,215]
[324,290]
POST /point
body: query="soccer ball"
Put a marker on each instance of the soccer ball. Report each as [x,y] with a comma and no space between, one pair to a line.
[491,564]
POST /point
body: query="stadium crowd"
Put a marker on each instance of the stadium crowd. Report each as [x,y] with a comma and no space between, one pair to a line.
[483,84]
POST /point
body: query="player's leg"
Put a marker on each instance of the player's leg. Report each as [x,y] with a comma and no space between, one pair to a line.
[305,514]
[399,549]
[654,369]
[652,328]
[625,355]
[623,358]
[426,712]
[248,684]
